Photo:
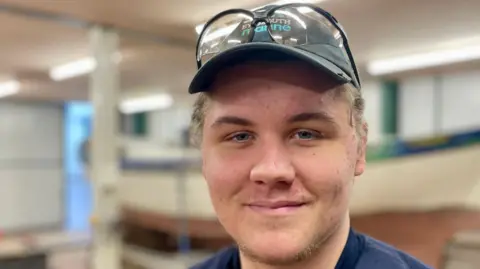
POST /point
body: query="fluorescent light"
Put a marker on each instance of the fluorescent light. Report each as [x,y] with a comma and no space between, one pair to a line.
[305,10]
[73,69]
[78,67]
[146,103]
[9,88]
[418,61]
[220,33]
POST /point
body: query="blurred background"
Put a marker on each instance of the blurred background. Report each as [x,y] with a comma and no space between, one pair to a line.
[95,166]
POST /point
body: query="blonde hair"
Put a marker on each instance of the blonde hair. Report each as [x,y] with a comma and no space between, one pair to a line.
[352,95]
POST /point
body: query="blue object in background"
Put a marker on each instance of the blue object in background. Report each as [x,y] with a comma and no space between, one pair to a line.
[78,192]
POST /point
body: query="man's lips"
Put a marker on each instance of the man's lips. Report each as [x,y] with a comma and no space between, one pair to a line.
[276,207]
[276,204]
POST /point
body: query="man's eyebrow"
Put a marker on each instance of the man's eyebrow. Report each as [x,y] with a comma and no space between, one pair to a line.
[313,116]
[232,120]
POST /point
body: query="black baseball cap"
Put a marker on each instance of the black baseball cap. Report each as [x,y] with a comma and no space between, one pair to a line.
[320,48]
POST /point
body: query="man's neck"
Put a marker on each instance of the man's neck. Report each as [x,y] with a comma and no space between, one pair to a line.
[326,257]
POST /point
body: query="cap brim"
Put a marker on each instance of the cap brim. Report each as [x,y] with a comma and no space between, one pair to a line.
[261,51]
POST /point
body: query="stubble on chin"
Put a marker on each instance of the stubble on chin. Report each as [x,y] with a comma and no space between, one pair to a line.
[311,249]
[286,260]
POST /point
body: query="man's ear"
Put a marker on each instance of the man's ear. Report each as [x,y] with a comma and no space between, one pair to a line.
[362,150]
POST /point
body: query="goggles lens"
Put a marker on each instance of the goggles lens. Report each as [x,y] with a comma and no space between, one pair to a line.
[287,25]
[306,27]
[217,37]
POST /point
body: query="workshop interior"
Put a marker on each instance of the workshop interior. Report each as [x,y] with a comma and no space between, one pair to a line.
[97,170]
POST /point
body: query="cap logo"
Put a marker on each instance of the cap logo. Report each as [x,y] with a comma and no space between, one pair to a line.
[276,25]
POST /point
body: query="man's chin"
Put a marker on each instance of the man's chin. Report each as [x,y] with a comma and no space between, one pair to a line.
[276,252]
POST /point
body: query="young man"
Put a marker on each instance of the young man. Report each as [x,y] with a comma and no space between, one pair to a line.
[279,120]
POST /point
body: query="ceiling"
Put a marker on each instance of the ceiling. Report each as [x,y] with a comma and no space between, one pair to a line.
[37,35]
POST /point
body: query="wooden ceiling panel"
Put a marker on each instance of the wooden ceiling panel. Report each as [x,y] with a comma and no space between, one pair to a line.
[29,44]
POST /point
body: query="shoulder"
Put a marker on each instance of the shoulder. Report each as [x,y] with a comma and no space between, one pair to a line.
[221,260]
[377,254]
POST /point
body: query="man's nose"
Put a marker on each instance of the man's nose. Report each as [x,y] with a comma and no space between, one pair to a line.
[274,166]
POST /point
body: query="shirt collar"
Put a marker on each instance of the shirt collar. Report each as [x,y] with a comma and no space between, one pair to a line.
[351,252]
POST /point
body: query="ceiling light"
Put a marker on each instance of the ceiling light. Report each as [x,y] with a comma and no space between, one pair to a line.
[222,32]
[9,88]
[73,69]
[146,103]
[199,28]
[425,60]
[78,67]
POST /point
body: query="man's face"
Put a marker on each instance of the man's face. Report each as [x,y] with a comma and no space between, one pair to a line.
[279,157]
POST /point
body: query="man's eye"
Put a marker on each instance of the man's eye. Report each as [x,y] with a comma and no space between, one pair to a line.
[240,137]
[307,135]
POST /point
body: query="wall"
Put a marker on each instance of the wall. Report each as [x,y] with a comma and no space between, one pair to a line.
[372,93]
[416,117]
[443,104]
[165,126]
[460,99]
[31,172]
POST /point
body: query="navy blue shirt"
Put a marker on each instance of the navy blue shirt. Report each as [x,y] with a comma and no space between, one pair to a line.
[360,252]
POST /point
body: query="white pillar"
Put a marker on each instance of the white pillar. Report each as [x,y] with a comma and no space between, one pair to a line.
[104,165]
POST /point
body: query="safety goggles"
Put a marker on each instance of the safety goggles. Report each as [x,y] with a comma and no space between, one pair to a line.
[302,26]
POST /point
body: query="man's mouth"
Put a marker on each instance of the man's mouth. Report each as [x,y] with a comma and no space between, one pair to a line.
[276,207]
